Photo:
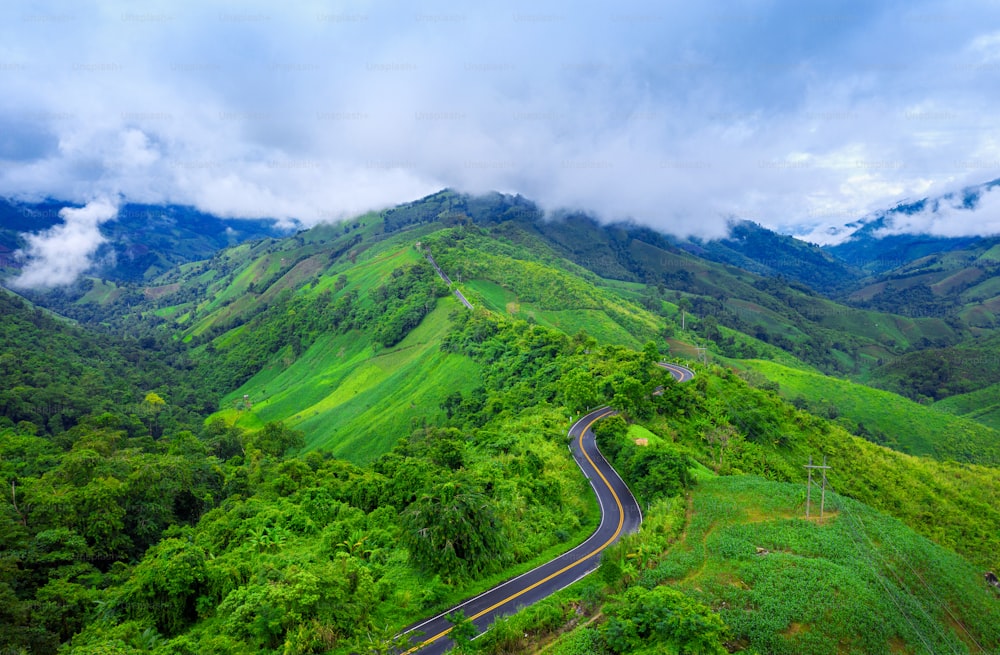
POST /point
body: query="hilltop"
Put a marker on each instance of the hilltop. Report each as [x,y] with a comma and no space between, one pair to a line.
[350,449]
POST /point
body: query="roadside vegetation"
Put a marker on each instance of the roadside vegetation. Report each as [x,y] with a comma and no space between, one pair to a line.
[304,445]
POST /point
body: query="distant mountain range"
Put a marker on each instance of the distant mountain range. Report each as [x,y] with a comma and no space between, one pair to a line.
[910,274]
[141,242]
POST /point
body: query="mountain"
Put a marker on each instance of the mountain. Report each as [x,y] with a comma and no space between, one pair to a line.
[960,283]
[886,240]
[142,241]
[757,249]
[372,451]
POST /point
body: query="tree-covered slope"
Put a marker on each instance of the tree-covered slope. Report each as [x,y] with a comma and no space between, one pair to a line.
[378,451]
[938,373]
[754,248]
[55,372]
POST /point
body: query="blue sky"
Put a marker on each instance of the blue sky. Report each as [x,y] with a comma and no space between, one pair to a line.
[800,116]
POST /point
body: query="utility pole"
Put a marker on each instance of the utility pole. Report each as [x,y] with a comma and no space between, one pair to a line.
[822,502]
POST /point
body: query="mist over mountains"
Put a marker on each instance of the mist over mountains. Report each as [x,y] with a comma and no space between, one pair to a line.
[53,242]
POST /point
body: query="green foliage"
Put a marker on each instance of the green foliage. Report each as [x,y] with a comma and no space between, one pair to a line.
[887,418]
[275,439]
[54,374]
[126,533]
[938,373]
[454,531]
[653,471]
[662,620]
[519,276]
[74,517]
[462,631]
[165,586]
[858,581]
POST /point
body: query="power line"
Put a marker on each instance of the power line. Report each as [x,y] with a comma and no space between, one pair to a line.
[937,599]
[857,527]
[916,601]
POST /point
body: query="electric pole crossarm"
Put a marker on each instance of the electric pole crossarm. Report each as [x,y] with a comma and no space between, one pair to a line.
[810,466]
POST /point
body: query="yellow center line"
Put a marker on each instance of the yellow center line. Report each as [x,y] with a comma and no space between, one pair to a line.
[621,520]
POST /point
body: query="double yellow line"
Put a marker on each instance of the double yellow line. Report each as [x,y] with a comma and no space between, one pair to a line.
[618,530]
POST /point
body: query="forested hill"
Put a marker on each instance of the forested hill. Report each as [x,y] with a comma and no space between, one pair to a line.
[302,445]
[56,372]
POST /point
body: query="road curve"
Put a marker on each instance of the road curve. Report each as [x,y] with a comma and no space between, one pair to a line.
[620,514]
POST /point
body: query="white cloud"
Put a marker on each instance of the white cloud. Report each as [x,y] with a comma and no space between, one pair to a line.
[57,256]
[948,217]
[800,116]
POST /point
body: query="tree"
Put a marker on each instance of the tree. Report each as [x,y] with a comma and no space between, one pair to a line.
[631,397]
[579,392]
[455,531]
[710,329]
[650,353]
[166,584]
[647,621]
[152,405]
[463,631]
[275,439]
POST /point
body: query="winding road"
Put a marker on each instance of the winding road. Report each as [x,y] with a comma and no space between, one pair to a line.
[620,514]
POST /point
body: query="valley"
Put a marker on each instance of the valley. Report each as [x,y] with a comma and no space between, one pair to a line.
[306,442]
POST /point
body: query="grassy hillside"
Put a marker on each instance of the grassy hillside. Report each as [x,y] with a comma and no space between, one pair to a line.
[854,582]
[886,417]
[982,406]
[937,373]
[536,285]
[959,283]
[303,316]
[828,335]
[351,397]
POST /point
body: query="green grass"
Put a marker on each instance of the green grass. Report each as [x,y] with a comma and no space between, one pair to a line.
[982,406]
[856,582]
[636,432]
[102,293]
[512,279]
[912,428]
[595,322]
[353,400]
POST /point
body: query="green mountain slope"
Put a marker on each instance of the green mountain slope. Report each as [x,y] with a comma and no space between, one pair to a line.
[754,248]
[54,373]
[886,417]
[938,373]
[431,460]
[828,335]
[352,398]
[982,406]
[960,283]
[856,581]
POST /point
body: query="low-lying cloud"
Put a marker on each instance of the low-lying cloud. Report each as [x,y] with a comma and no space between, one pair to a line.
[800,116]
[58,255]
[949,217]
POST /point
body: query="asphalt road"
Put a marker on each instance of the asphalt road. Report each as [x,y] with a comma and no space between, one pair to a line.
[680,373]
[620,514]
